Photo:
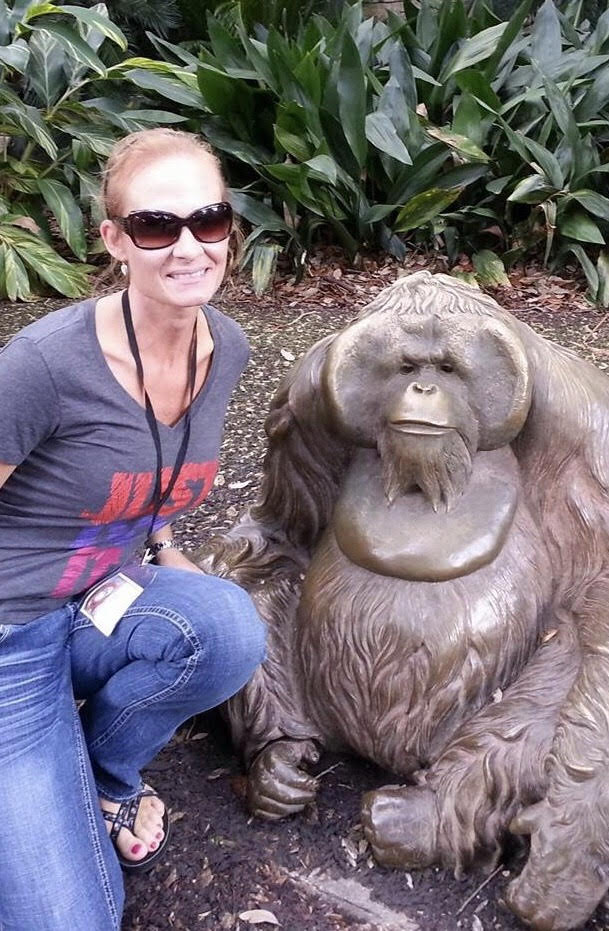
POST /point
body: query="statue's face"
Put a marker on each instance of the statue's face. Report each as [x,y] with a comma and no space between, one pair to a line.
[428,391]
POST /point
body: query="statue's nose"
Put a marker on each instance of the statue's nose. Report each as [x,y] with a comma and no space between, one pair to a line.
[423,389]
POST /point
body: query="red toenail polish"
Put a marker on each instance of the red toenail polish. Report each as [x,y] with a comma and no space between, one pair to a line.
[136,848]
[159,836]
[154,845]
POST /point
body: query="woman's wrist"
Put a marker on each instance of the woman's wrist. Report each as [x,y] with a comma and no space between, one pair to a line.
[154,548]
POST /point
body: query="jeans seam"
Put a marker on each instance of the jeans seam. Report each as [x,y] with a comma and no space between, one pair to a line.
[191,663]
[92,823]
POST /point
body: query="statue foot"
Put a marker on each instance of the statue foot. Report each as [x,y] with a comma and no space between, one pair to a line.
[401,825]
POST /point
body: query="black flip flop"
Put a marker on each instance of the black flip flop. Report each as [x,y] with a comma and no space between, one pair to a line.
[125,818]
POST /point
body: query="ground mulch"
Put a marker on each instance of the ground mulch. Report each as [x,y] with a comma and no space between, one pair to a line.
[220,863]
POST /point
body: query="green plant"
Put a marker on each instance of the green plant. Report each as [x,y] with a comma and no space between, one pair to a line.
[55,129]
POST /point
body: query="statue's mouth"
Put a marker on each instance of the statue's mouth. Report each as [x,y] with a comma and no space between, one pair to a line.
[419,427]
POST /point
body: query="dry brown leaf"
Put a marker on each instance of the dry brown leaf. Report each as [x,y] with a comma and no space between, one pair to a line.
[258,916]
[176,816]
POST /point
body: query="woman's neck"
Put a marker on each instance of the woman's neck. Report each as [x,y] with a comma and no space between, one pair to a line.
[163,332]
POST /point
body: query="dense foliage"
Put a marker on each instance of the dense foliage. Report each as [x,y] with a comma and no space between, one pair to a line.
[61,108]
[449,128]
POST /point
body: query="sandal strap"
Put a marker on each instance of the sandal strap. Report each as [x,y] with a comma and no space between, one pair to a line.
[126,814]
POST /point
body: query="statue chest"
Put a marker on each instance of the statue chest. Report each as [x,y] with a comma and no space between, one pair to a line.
[407,539]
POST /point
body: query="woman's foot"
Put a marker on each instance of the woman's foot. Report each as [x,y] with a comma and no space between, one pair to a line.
[147,833]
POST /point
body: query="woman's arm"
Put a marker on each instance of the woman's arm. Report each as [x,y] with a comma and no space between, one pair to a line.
[6,471]
[171,556]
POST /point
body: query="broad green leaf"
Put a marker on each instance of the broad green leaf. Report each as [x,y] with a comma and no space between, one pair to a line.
[490,270]
[95,20]
[550,211]
[352,99]
[525,147]
[5,29]
[15,56]
[393,102]
[66,211]
[31,10]
[546,45]
[455,141]
[165,85]
[468,120]
[476,84]
[226,47]
[14,274]
[99,141]
[602,267]
[294,145]
[452,26]
[264,263]
[258,213]
[593,202]
[323,167]
[253,155]
[561,110]
[307,73]
[378,212]
[75,47]
[588,268]
[506,40]
[67,278]
[423,208]
[596,96]
[182,55]
[381,133]
[46,69]
[221,93]
[531,190]
[421,75]
[472,51]
[578,225]
[30,121]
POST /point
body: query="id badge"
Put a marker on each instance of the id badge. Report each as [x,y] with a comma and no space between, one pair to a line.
[106,602]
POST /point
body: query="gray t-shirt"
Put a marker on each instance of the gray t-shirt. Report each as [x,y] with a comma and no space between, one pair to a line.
[79,503]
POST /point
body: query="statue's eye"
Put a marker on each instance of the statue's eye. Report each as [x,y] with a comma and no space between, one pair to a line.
[446,367]
[407,367]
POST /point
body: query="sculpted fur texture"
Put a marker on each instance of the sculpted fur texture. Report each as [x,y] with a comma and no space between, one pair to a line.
[430,551]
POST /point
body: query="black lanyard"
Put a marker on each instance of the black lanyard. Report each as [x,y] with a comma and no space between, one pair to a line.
[159,497]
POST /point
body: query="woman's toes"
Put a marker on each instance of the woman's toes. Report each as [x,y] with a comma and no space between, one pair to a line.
[147,831]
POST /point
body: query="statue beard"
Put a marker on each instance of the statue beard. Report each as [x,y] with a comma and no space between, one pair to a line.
[440,466]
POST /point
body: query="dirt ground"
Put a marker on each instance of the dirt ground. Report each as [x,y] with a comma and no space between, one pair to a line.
[313,872]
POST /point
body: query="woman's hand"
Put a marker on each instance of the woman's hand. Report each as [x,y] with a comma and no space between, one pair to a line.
[175,559]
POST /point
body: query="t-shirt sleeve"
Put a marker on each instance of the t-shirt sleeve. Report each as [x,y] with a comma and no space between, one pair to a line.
[29,405]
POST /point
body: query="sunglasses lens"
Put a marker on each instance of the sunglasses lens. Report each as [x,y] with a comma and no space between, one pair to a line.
[212,224]
[151,230]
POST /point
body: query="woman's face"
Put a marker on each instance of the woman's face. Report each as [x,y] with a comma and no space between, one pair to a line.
[189,272]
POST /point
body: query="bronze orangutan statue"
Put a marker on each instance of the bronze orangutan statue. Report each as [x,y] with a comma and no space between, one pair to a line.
[431,554]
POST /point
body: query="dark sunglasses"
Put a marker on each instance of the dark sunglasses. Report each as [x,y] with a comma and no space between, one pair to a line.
[157,229]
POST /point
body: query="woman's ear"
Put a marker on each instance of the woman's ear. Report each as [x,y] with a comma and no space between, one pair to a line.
[112,238]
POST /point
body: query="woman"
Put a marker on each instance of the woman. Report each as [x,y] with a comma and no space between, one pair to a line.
[111,415]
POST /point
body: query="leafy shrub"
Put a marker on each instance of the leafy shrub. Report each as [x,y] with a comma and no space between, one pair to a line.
[449,127]
[55,129]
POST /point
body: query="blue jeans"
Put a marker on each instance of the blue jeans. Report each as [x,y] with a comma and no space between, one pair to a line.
[186,644]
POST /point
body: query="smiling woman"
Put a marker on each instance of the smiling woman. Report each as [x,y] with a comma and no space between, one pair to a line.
[111,417]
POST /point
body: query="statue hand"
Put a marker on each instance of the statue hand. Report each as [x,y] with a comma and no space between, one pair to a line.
[564,878]
[277,783]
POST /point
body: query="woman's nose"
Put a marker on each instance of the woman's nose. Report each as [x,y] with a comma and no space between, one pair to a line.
[187,245]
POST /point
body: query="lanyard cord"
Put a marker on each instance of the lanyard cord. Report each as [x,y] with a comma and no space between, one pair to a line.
[159,497]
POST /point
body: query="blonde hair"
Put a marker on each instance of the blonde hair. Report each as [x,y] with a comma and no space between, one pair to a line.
[144,147]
